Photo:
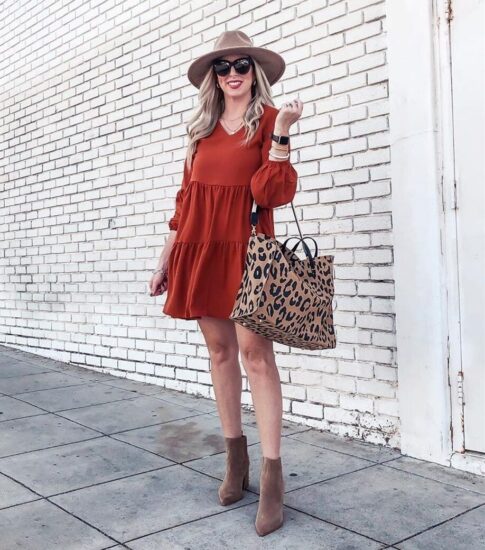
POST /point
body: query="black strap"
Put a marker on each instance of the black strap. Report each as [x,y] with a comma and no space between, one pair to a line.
[253,220]
[253,217]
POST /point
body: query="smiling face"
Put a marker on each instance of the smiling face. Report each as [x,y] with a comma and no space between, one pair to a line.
[233,84]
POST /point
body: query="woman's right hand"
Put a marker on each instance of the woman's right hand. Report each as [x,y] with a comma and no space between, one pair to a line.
[159,282]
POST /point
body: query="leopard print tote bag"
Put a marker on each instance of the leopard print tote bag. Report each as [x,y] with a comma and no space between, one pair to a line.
[285,298]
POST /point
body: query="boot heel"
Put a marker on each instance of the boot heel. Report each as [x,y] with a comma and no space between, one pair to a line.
[245,483]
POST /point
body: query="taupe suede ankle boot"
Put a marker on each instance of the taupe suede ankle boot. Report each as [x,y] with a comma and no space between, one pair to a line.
[237,470]
[271,492]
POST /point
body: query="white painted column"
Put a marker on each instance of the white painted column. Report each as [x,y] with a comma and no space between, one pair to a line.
[419,270]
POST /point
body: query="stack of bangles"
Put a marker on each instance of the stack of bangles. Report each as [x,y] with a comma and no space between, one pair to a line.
[278,147]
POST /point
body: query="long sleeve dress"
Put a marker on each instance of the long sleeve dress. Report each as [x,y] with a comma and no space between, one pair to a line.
[212,208]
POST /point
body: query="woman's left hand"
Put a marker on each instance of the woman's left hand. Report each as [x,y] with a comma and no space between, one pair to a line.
[289,113]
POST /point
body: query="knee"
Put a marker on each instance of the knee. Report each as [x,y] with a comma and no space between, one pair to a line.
[257,360]
[221,352]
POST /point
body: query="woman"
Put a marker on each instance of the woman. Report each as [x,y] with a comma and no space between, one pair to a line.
[238,149]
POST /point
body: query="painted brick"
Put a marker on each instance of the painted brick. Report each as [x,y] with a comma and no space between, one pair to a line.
[333,134]
[294,392]
[351,114]
[369,126]
[351,82]
[349,146]
[323,396]
[307,409]
[356,369]
[346,22]
[382,305]
[383,372]
[375,387]
[372,223]
[376,289]
[347,53]
[384,339]
[336,194]
[379,322]
[363,31]
[328,13]
[356,403]
[331,73]
[336,382]
[334,414]
[306,378]
[372,189]
[387,407]
[353,209]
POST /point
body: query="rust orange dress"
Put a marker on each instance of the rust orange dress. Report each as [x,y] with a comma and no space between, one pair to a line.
[212,209]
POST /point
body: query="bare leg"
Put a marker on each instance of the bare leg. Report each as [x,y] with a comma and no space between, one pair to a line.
[221,340]
[259,363]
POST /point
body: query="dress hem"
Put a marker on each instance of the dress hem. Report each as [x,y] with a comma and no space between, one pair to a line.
[194,316]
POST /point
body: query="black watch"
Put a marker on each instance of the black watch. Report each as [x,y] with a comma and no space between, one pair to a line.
[283,140]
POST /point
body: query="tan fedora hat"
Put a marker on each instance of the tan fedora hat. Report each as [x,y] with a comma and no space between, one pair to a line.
[230,42]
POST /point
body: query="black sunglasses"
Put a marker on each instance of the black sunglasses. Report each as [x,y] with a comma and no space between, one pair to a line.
[222,67]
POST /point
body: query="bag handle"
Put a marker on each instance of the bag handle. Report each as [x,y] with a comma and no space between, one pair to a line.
[253,220]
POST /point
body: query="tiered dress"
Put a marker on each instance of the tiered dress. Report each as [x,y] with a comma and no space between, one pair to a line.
[212,210]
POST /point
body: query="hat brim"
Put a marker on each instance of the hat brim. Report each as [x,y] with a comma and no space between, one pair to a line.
[272,63]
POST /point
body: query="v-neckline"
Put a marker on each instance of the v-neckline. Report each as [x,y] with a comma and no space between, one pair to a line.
[226,132]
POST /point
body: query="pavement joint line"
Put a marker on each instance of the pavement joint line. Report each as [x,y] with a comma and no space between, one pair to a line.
[481,493]
[331,478]
[48,371]
[26,487]
[55,504]
[101,435]
[187,465]
[122,431]
[218,513]
[134,474]
[42,389]
[440,523]
[84,521]
[130,398]
[243,505]
[43,413]
[106,383]
[156,423]
[335,524]
[105,482]
[340,452]
[15,396]
[50,447]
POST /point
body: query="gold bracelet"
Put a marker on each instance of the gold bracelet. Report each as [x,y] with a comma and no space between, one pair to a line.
[279,150]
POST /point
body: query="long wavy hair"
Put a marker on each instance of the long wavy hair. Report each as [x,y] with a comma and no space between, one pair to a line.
[211,106]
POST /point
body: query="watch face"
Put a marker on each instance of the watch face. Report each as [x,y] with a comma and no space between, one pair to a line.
[280,139]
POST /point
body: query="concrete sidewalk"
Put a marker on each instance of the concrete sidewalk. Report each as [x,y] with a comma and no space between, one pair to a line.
[92,461]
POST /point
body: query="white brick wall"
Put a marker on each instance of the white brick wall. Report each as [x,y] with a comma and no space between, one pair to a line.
[94,101]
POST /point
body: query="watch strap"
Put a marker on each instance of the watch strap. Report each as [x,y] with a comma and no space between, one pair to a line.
[283,140]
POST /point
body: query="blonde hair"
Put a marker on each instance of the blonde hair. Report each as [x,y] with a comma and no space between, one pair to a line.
[211,106]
